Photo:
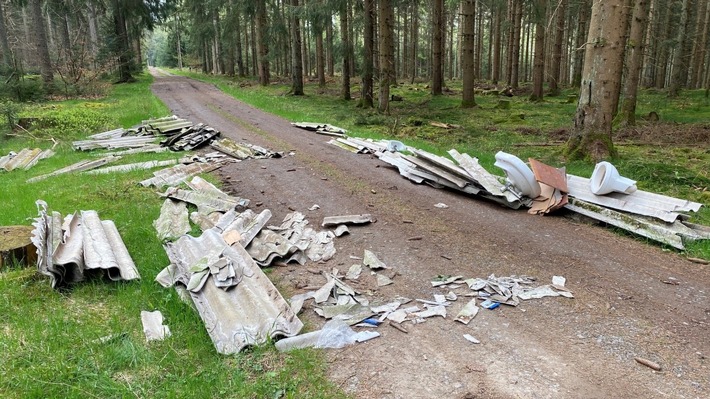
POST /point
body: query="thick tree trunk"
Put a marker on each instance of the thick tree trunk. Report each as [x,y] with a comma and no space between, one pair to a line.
[386,22]
[662,60]
[557,49]
[296,61]
[366,100]
[650,44]
[601,81]
[437,25]
[45,63]
[539,11]
[345,39]
[238,42]
[581,37]
[680,69]
[330,59]
[634,56]
[218,56]
[93,29]
[261,43]
[468,14]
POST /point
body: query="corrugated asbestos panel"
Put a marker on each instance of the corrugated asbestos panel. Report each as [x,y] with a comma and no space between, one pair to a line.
[671,234]
[173,220]
[489,182]
[77,167]
[444,163]
[640,202]
[206,202]
[433,168]
[248,314]
[25,159]
[247,223]
[132,166]
[100,252]
[114,143]
[179,173]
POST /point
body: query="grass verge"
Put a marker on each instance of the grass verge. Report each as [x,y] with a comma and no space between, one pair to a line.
[48,346]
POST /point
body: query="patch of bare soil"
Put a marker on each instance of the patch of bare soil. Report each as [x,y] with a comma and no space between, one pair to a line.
[547,348]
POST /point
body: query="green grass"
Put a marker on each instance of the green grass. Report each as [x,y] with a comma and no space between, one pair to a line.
[675,170]
[47,338]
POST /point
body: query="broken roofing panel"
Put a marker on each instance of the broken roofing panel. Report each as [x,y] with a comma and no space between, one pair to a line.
[640,202]
[179,173]
[672,234]
[248,314]
[206,202]
[132,166]
[173,220]
[330,221]
[242,151]
[25,159]
[77,167]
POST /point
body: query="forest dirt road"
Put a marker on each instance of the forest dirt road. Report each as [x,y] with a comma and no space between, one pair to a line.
[547,348]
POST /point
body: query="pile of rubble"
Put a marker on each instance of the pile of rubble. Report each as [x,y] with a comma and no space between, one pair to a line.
[605,197]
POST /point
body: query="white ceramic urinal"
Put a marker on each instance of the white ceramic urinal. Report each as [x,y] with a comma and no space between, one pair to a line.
[519,174]
[606,179]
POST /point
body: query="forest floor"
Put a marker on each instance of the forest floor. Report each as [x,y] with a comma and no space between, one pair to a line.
[624,306]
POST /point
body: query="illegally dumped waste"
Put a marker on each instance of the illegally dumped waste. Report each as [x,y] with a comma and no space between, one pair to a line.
[69,248]
[243,151]
[334,334]
[181,172]
[77,167]
[321,128]
[25,159]
[545,189]
[153,326]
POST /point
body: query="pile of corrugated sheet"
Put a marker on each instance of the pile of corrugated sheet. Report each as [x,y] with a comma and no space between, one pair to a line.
[187,168]
[543,189]
[80,166]
[321,128]
[235,299]
[181,135]
[243,151]
[25,159]
[68,248]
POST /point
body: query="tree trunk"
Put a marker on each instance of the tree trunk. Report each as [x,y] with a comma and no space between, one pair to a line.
[539,12]
[45,64]
[497,43]
[557,49]
[437,24]
[238,43]
[261,43]
[385,21]
[7,57]
[330,59]
[662,60]
[366,100]
[635,52]
[479,46]
[414,38]
[703,27]
[601,81]
[650,44]
[93,29]
[296,56]
[514,50]
[679,68]
[345,39]
[582,28]
[468,14]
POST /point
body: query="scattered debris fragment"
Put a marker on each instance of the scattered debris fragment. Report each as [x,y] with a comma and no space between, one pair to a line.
[173,221]
[179,173]
[67,248]
[315,207]
[132,166]
[467,313]
[471,339]
[153,326]
[383,280]
[321,128]
[246,151]
[441,205]
[334,334]
[354,272]
[330,221]
[370,260]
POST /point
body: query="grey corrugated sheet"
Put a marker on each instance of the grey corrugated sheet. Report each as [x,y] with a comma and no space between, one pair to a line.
[483,177]
[173,220]
[640,202]
[207,202]
[248,314]
[25,159]
[179,173]
[673,234]
[132,166]
[114,143]
[86,242]
[77,167]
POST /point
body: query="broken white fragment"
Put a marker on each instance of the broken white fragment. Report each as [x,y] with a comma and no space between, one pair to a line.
[323,292]
[451,296]
[468,312]
[370,260]
[153,326]
[441,205]
[439,299]
[363,336]
[449,280]
[341,230]
[314,207]
[559,280]
[471,339]
[386,308]
[539,292]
